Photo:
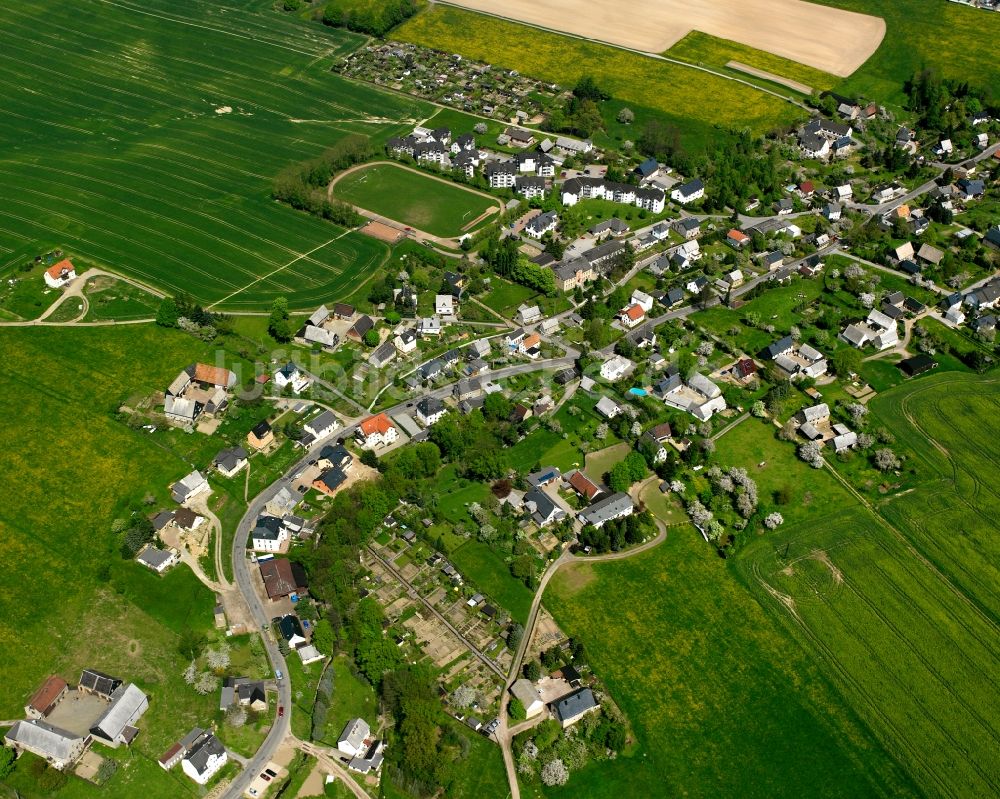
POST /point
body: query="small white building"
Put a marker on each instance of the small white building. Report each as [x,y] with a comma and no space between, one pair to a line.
[321,426]
[615,368]
[205,758]
[527,694]
[289,375]
[444,305]
[376,431]
[61,274]
[352,739]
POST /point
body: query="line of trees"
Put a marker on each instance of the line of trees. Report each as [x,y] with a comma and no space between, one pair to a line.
[304,186]
[376,17]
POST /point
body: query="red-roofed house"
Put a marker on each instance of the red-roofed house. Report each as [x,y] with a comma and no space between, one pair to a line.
[59,275]
[745,368]
[213,376]
[632,315]
[376,431]
[737,238]
[806,189]
[530,345]
[46,698]
[584,486]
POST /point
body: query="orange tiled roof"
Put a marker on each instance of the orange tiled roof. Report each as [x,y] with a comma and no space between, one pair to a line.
[216,375]
[376,424]
[635,312]
[48,693]
[56,271]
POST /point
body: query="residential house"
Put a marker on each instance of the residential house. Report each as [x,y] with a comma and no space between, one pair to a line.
[688,227]
[289,375]
[97,683]
[242,691]
[467,389]
[335,456]
[615,368]
[382,355]
[608,408]
[268,535]
[501,174]
[230,461]
[631,316]
[189,487]
[352,738]
[321,426]
[744,369]
[429,326]
[376,431]
[261,436]
[281,577]
[542,509]
[690,192]
[541,224]
[531,346]
[573,274]
[530,187]
[528,314]
[290,629]
[429,410]
[616,506]
[60,274]
[444,305]
[205,758]
[405,342]
[609,227]
[571,708]
[520,137]
[158,560]
[700,397]
[737,239]
[929,254]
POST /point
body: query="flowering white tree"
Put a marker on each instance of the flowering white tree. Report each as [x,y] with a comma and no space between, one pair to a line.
[867,299]
[811,453]
[794,332]
[758,409]
[715,531]
[601,432]
[206,683]
[706,348]
[853,272]
[677,487]
[555,772]
[191,673]
[530,750]
[865,440]
[699,514]
[218,658]
[773,520]
[857,411]
[636,429]
[236,716]
[886,460]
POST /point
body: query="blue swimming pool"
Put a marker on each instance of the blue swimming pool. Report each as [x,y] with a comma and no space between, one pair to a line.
[639,392]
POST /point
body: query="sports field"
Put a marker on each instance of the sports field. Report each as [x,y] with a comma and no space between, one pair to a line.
[650,87]
[405,195]
[152,149]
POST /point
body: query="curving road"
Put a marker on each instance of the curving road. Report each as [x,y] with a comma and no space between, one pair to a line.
[243,580]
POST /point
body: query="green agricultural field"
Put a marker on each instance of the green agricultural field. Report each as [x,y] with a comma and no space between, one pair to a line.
[949,423]
[667,90]
[408,196]
[700,48]
[153,155]
[958,41]
[722,700]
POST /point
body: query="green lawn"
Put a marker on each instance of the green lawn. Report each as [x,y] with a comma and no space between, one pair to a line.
[23,294]
[600,462]
[352,698]
[485,569]
[651,88]
[115,299]
[154,154]
[407,196]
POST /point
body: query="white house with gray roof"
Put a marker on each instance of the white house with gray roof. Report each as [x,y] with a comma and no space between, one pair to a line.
[205,758]
[116,725]
[352,739]
[617,506]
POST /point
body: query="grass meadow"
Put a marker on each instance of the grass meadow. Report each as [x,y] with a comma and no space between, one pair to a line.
[651,87]
[71,469]
[958,41]
[701,48]
[485,569]
[153,154]
[407,196]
